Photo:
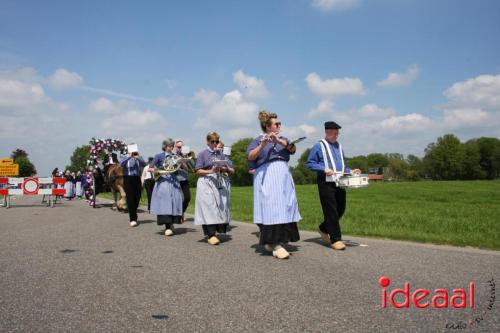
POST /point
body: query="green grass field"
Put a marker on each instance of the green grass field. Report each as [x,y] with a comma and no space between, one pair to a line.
[463,213]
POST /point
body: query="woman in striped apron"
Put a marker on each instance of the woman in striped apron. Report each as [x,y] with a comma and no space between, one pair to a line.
[275,208]
[212,190]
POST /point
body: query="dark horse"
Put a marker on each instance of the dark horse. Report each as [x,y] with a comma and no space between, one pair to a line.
[115,181]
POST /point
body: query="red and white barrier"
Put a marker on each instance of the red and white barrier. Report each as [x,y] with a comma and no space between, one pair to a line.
[30,186]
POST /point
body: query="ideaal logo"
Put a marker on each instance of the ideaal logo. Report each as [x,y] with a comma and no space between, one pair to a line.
[421,298]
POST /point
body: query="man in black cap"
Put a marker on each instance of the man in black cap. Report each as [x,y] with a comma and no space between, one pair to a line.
[327,160]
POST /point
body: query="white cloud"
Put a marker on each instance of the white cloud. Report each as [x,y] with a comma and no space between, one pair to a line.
[19,94]
[294,132]
[400,79]
[236,109]
[147,128]
[133,120]
[331,5]
[457,118]
[373,128]
[332,88]
[473,103]
[206,97]
[23,74]
[163,102]
[64,79]
[324,108]
[482,92]
[374,111]
[102,105]
[307,129]
[250,86]
[231,109]
[410,122]
[33,121]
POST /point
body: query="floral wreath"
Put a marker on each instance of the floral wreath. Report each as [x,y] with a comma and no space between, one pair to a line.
[99,147]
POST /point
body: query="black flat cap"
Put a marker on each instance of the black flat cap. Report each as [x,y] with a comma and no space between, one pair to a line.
[332,125]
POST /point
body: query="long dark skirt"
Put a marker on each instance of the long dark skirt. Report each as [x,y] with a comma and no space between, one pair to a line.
[212,229]
[168,220]
[278,233]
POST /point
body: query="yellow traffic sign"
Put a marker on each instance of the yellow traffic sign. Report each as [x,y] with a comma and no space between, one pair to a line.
[9,169]
[4,161]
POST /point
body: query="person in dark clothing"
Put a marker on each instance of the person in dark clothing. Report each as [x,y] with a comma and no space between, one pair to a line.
[132,165]
[183,177]
[148,182]
[327,160]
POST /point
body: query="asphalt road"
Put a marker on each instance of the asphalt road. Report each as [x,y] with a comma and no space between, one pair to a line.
[72,268]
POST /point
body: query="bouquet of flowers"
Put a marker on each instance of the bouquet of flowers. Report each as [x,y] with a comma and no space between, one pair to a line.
[99,147]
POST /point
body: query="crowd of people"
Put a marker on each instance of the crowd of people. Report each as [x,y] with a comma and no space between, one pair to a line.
[81,185]
[275,204]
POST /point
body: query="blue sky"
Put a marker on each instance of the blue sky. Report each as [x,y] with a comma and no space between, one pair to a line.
[395,74]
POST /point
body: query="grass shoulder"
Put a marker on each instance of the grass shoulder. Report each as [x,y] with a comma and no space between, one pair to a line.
[460,213]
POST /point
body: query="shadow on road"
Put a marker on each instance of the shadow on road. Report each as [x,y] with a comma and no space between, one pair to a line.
[13,205]
[146,221]
[319,241]
[260,249]
[177,231]
[223,238]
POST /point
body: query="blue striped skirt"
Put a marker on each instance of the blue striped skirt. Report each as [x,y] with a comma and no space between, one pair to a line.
[167,196]
[274,197]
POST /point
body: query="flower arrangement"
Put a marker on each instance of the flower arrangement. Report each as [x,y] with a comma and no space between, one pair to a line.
[99,147]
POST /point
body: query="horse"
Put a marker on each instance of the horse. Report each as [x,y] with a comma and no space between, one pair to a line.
[115,181]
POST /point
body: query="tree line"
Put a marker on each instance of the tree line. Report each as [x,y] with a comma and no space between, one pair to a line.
[26,167]
[445,159]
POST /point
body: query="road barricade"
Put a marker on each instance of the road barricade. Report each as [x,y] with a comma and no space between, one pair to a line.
[48,187]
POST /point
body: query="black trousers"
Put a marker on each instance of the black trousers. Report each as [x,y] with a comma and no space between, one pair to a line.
[186,194]
[133,191]
[333,202]
[168,220]
[211,229]
[149,185]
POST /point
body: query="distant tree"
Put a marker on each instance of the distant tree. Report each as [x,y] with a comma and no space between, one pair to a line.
[241,177]
[394,156]
[26,167]
[300,173]
[398,168]
[445,158]
[472,166]
[415,167]
[489,151]
[358,162]
[18,153]
[496,162]
[377,161]
[79,158]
